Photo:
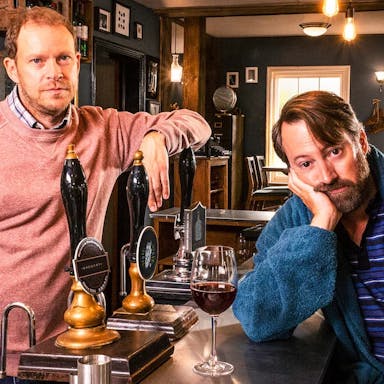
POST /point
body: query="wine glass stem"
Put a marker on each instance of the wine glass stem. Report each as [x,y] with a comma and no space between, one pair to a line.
[213,355]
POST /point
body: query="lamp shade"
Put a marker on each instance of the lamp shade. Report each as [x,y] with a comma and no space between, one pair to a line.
[379,76]
[315,28]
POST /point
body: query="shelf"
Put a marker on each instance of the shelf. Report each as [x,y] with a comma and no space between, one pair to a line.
[8,11]
[210,185]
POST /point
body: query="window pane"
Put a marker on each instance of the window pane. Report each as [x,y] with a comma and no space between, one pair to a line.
[308,84]
[331,84]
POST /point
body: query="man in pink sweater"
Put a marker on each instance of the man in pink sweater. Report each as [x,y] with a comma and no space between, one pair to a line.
[37,122]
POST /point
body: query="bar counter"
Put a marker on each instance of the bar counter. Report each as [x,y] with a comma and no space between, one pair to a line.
[302,359]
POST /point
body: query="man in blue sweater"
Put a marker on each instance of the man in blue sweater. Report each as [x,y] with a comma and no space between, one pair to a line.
[324,248]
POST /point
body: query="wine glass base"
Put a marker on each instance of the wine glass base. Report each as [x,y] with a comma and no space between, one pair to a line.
[221,368]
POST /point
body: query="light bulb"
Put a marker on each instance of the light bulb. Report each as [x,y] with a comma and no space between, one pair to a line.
[176,69]
[349,28]
[330,7]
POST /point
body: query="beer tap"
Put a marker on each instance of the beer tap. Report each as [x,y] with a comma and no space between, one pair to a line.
[89,268]
[141,252]
[182,259]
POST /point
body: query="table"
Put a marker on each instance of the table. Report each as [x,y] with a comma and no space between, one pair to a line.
[302,359]
[223,227]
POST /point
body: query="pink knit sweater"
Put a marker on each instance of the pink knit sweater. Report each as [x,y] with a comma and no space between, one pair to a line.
[34,237]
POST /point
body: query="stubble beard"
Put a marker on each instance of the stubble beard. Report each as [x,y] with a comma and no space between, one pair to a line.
[356,193]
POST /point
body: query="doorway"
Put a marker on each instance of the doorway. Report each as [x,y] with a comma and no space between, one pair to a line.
[125,91]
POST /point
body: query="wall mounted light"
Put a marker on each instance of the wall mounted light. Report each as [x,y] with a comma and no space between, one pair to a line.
[315,28]
[380,79]
[349,33]
[176,68]
[330,7]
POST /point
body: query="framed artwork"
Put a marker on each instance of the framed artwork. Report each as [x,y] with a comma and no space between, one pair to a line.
[233,79]
[103,20]
[152,77]
[153,107]
[122,19]
[251,75]
[138,31]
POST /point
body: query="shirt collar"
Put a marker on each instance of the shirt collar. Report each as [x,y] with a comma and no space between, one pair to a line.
[20,111]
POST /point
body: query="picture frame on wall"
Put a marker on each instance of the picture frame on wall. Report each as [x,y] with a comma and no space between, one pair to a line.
[103,20]
[153,69]
[233,79]
[138,31]
[251,75]
[153,107]
[122,19]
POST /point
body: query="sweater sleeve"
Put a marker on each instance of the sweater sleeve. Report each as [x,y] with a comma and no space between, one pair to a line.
[181,128]
[294,275]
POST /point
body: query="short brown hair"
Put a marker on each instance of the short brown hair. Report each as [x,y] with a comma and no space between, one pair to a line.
[37,15]
[326,115]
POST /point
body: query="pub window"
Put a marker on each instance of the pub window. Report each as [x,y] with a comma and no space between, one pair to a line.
[286,82]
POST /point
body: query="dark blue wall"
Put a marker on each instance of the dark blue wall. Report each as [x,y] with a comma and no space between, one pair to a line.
[365,56]
[149,44]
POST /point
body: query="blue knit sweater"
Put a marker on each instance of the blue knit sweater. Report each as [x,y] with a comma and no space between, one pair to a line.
[299,269]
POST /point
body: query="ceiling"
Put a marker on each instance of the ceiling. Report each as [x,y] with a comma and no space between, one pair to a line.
[249,18]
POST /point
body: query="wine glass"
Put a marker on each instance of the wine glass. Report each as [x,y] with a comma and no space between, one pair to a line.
[213,287]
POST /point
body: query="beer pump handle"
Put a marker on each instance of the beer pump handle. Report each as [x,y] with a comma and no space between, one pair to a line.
[187,167]
[74,194]
[137,196]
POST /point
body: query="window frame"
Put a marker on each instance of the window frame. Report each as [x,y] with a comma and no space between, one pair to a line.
[343,72]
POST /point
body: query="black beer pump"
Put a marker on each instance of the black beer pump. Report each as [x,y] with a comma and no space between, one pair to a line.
[141,253]
[89,268]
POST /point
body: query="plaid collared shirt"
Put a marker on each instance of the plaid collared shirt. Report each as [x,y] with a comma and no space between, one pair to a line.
[19,110]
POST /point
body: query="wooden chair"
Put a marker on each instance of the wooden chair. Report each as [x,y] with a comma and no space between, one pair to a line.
[263,176]
[260,198]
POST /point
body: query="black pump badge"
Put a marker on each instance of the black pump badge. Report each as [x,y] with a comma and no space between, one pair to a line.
[91,266]
[147,253]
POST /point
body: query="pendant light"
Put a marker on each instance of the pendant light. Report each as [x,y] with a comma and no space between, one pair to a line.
[349,28]
[176,68]
[330,7]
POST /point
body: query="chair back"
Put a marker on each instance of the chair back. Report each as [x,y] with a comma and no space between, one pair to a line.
[253,177]
[262,174]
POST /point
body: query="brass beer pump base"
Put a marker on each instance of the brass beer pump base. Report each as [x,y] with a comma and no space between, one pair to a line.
[85,318]
[138,301]
[87,337]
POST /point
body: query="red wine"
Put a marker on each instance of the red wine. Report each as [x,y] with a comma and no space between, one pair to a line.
[213,297]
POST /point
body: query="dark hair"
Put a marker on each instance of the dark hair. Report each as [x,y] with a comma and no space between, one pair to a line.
[327,116]
[37,15]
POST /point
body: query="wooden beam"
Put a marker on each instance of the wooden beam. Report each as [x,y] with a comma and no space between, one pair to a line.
[194,64]
[283,8]
[165,62]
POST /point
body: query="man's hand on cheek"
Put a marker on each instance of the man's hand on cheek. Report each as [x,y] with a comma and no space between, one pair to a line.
[325,214]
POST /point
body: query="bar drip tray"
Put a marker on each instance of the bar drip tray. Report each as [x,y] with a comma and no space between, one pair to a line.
[164,287]
[174,320]
[134,356]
